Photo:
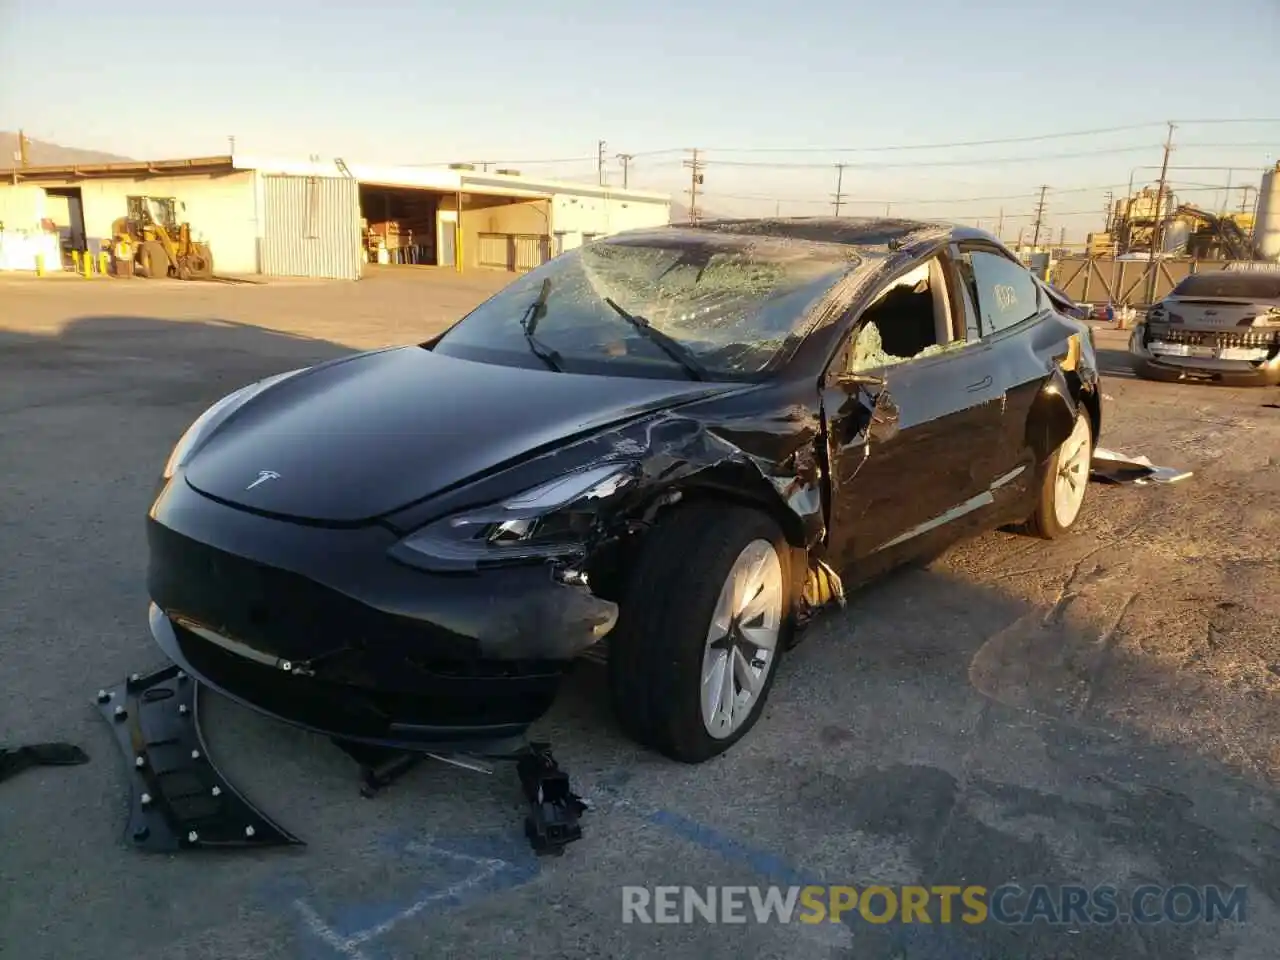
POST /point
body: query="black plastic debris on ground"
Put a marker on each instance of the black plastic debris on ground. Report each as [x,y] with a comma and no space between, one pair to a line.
[180,800]
[554,810]
[13,760]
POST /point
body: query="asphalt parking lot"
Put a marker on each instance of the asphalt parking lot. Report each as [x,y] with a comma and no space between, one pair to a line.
[1105,709]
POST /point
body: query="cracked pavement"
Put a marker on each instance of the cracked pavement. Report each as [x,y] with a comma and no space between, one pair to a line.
[1102,709]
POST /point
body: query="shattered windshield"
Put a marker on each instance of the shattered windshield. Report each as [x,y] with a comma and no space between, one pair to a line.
[676,304]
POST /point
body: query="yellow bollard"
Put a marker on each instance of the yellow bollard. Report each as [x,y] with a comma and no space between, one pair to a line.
[39,264]
[104,263]
[75,260]
[87,262]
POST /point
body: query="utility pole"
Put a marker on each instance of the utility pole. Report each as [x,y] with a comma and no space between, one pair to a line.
[600,145]
[1244,198]
[1106,220]
[626,159]
[1000,225]
[23,143]
[1226,195]
[839,195]
[1035,240]
[777,208]
[1062,237]
[694,166]
[1157,231]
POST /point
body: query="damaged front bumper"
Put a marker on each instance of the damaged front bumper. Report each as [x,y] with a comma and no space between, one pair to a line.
[319,628]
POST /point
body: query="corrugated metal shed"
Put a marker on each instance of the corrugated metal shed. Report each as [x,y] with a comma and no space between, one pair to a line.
[311,227]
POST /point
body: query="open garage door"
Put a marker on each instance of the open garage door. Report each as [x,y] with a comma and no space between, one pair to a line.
[311,227]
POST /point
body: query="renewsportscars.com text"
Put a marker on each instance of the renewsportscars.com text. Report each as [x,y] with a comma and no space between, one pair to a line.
[1007,904]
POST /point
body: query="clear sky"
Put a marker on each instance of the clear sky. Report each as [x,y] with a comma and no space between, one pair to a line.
[402,82]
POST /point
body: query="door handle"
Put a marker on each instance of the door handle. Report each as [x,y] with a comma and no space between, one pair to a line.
[980,385]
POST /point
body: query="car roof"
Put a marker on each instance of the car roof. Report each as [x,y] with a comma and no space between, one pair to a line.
[851,231]
[857,232]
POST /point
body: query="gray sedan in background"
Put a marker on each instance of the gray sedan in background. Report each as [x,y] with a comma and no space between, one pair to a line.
[1221,327]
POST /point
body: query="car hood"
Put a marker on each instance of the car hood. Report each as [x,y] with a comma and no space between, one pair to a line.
[355,440]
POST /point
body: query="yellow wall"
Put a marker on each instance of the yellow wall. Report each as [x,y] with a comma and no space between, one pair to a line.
[497,215]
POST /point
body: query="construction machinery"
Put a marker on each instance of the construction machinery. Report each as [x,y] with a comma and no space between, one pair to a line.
[160,245]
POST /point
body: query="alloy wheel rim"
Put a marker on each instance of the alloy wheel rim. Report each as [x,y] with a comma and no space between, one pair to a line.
[742,639]
[1073,474]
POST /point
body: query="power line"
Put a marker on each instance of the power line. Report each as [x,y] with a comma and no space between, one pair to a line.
[975,162]
[939,146]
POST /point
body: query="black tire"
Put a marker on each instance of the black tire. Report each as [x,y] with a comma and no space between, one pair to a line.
[656,651]
[1045,521]
[155,262]
[201,262]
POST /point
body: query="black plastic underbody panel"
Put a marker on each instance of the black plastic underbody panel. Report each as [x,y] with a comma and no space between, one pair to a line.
[179,799]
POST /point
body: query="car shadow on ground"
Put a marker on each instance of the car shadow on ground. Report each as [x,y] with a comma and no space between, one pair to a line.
[1114,363]
[939,731]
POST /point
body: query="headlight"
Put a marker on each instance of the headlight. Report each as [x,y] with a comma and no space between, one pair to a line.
[200,428]
[549,520]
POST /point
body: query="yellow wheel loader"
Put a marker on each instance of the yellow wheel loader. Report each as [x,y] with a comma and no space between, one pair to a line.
[164,246]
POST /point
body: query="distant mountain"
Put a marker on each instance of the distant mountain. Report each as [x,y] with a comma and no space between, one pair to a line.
[43,154]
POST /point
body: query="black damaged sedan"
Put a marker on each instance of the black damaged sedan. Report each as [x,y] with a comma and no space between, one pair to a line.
[668,449]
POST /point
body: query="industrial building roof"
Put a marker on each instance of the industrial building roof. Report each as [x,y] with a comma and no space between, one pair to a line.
[445,178]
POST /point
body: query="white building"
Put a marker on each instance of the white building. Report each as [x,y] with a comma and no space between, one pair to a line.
[327,218]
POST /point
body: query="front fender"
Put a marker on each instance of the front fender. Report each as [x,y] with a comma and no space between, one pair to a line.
[1053,415]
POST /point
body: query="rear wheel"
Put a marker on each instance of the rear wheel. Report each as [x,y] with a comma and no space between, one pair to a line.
[201,262]
[1065,481]
[706,615]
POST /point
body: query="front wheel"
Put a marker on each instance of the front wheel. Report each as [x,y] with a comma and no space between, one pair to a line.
[1065,481]
[704,620]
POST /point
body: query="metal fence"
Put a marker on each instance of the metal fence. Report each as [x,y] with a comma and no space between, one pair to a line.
[311,227]
[1125,283]
[513,251]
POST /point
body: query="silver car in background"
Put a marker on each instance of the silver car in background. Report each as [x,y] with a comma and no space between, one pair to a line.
[1222,327]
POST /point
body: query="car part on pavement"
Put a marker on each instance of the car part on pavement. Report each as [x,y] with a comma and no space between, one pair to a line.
[180,800]
[379,766]
[1111,467]
[554,809]
[13,760]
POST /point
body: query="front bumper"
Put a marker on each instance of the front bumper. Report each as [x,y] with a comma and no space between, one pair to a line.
[319,628]
[1230,358]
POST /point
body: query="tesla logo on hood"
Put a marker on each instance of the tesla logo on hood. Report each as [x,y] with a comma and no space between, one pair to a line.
[263,477]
